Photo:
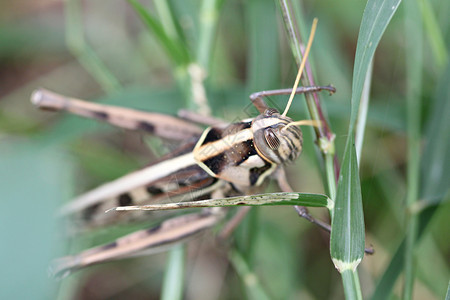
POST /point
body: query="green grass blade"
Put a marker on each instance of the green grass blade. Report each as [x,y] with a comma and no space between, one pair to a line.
[279,254]
[79,47]
[351,284]
[362,114]
[174,48]
[174,277]
[303,199]
[414,59]
[209,15]
[434,34]
[410,266]
[447,296]
[169,21]
[435,171]
[387,280]
[390,275]
[433,273]
[249,279]
[347,225]
[436,158]
[347,234]
[376,17]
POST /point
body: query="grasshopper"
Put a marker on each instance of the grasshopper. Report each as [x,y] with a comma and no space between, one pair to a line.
[220,161]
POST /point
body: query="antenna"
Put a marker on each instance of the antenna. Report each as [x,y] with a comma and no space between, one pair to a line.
[302,65]
[314,123]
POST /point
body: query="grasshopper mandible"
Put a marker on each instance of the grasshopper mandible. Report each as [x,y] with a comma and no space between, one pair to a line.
[221,161]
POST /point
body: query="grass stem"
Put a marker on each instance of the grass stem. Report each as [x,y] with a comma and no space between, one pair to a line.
[413,34]
[78,46]
[173,283]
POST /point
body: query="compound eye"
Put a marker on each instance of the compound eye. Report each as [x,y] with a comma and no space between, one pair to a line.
[271,139]
[270,111]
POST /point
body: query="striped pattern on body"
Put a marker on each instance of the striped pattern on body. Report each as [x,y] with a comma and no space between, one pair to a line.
[222,156]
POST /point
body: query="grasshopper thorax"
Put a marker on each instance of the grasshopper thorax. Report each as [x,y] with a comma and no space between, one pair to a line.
[274,140]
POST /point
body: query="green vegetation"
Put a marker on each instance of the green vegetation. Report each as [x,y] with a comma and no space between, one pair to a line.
[150,55]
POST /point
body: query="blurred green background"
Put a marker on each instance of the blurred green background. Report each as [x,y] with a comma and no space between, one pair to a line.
[102,51]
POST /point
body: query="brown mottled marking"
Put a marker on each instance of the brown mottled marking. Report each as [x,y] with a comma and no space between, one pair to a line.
[159,124]
[153,191]
[125,200]
[146,126]
[100,115]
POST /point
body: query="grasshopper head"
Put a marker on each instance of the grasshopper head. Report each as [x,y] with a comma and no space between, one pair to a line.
[273,141]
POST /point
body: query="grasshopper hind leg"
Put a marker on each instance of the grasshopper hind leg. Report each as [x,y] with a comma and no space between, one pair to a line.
[144,242]
[161,125]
